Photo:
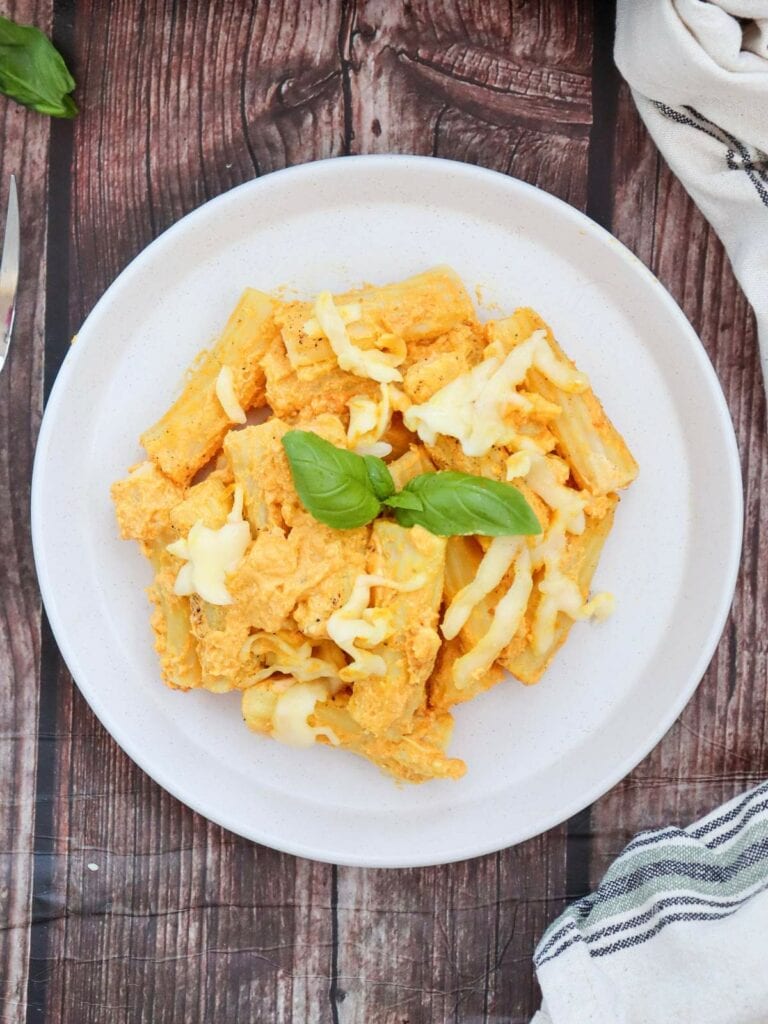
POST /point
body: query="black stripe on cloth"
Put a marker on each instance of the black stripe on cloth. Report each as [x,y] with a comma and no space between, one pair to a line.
[718,903]
[753,160]
[568,926]
[699,872]
[650,837]
[714,823]
[635,940]
[648,915]
[739,826]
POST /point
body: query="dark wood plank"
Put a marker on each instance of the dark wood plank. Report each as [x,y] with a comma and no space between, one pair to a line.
[25,140]
[718,747]
[451,943]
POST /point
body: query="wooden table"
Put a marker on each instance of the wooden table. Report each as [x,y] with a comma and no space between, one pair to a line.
[116,902]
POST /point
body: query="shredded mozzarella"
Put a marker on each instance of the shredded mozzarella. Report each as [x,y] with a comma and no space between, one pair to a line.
[362,362]
[225,392]
[475,407]
[211,554]
[507,617]
[290,718]
[496,561]
[355,624]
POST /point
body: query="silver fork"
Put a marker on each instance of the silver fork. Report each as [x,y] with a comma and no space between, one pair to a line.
[9,272]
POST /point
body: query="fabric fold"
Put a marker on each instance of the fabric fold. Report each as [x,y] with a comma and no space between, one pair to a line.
[676,931]
[699,77]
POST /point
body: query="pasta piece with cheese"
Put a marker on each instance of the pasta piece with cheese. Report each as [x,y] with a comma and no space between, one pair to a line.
[388,697]
[416,757]
[372,325]
[259,464]
[482,407]
[580,562]
[143,503]
[210,501]
[464,555]
[494,565]
[281,576]
[596,452]
[377,362]
[289,653]
[442,690]
[417,309]
[302,714]
[370,420]
[508,615]
[283,708]
[291,396]
[171,624]
[191,431]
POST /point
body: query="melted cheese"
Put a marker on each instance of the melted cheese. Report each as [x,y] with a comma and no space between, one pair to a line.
[476,408]
[350,313]
[281,657]
[369,419]
[355,623]
[600,607]
[547,478]
[371,363]
[290,718]
[211,554]
[507,617]
[496,561]
[225,392]
[559,592]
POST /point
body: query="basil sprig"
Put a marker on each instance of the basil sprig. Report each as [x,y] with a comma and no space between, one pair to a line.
[33,72]
[345,490]
[333,484]
[459,503]
[379,475]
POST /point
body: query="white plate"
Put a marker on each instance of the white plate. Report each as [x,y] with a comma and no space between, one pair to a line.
[535,755]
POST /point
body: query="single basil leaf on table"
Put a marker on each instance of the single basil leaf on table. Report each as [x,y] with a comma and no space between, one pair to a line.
[456,504]
[405,499]
[380,477]
[33,72]
[332,483]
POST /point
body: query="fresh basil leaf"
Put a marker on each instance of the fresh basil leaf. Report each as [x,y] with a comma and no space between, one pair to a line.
[33,72]
[332,483]
[455,504]
[404,500]
[380,477]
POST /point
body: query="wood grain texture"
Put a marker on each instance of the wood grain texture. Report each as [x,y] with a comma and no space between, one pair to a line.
[143,911]
[23,153]
[718,746]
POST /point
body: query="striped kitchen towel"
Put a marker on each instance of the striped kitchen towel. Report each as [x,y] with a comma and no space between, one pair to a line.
[676,932]
[698,70]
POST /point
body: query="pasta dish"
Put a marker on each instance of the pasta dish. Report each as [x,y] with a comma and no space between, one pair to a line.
[365,509]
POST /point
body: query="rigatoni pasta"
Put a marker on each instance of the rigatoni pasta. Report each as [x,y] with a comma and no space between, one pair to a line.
[366,638]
